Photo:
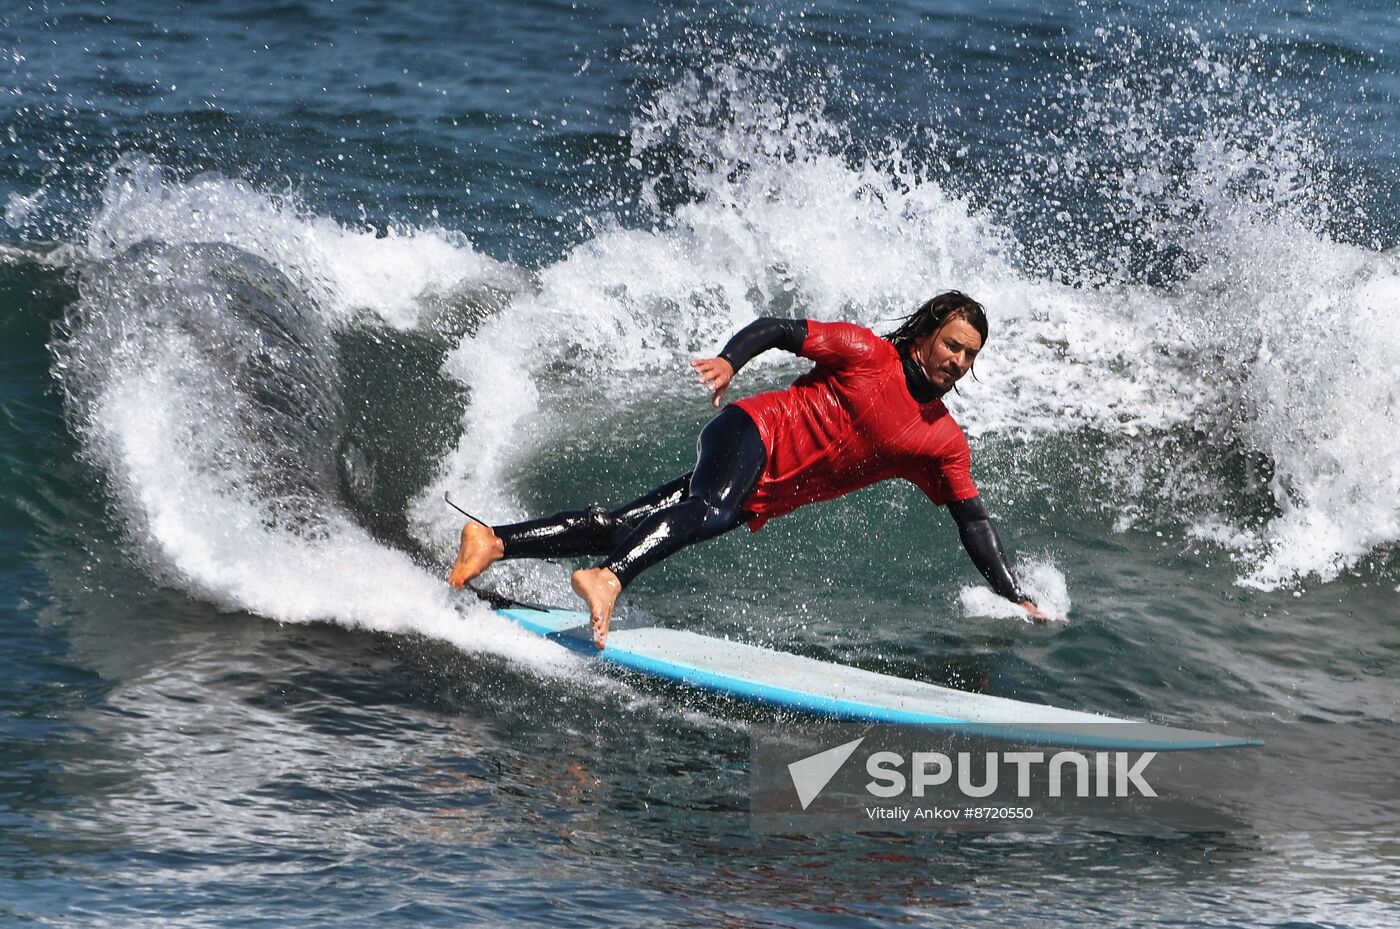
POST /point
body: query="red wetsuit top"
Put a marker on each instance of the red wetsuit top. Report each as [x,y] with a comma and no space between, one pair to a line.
[848,423]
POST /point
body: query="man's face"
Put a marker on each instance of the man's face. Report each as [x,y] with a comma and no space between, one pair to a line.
[947,354]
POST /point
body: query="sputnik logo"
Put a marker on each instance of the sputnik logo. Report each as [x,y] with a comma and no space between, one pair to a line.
[811,774]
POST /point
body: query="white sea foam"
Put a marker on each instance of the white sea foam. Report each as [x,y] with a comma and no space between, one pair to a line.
[1040,579]
[1322,392]
[388,275]
[181,446]
[221,542]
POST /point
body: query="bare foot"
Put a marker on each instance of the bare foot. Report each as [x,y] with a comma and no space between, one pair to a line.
[480,549]
[599,588]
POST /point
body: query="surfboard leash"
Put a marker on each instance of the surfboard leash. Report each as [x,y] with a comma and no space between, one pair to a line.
[447,495]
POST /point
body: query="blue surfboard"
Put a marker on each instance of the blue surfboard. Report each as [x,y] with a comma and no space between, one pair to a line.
[821,688]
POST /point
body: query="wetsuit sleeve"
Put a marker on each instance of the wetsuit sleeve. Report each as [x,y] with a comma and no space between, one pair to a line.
[979,536]
[762,334]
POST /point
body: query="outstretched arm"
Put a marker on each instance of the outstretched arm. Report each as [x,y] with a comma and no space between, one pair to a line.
[979,536]
[757,337]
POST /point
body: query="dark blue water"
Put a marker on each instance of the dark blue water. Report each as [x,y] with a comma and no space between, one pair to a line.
[272,279]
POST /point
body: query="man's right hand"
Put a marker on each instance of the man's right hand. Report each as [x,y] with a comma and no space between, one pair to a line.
[1036,613]
[715,373]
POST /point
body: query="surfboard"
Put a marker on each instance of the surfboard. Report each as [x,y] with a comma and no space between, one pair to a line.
[782,680]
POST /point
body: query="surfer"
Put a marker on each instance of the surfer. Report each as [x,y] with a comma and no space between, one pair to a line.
[870,410]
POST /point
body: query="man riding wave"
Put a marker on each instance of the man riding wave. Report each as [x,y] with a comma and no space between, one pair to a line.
[870,409]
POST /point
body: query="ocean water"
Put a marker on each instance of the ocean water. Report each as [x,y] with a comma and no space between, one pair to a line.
[275,277]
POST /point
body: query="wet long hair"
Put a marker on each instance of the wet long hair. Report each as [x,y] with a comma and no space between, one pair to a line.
[929,318]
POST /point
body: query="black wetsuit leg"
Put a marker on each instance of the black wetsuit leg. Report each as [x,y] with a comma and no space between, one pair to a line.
[592,531]
[730,459]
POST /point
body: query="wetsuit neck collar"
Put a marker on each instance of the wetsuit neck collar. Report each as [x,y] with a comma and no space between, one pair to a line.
[920,387]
